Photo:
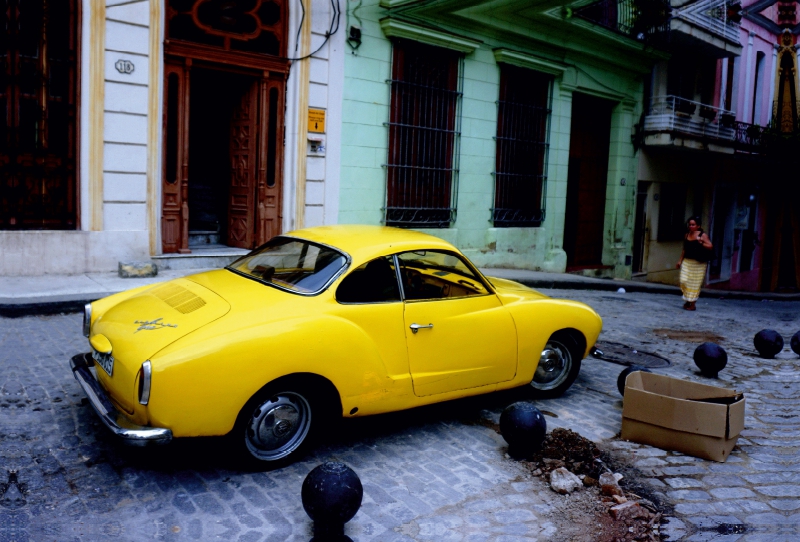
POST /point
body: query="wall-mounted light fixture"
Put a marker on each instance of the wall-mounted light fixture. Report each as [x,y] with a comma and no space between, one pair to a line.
[354,37]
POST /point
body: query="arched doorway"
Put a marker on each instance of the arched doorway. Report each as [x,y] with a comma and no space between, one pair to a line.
[225,74]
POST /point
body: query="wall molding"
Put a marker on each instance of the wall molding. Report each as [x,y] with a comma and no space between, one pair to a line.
[303,78]
[394,28]
[96,99]
[154,131]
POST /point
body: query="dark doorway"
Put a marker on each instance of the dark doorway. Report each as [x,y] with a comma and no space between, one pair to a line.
[211,115]
[640,228]
[586,180]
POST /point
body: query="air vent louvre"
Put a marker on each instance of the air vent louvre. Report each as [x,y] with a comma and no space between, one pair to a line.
[179,298]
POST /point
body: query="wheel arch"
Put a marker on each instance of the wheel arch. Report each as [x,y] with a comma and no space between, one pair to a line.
[575,335]
[311,381]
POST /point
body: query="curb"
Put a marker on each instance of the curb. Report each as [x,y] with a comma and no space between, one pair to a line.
[44,305]
[650,288]
[54,305]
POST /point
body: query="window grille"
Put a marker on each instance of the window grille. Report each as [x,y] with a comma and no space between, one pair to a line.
[422,168]
[523,116]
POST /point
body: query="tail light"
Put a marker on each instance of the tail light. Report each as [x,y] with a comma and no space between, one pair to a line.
[145,374]
[87,319]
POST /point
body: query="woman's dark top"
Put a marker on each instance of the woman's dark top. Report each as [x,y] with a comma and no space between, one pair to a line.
[695,251]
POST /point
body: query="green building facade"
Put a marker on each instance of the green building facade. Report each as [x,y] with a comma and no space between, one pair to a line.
[595,76]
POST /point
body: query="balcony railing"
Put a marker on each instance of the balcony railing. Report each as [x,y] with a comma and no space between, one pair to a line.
[642,20]
[681,116]
[749,137]
[719,17]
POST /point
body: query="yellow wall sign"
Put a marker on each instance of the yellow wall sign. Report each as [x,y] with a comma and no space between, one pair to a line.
[316,120]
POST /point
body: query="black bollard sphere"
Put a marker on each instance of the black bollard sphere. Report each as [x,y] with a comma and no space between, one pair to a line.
[711,358]
[523,427]
[768,342]
[795,343]
[624,376]
[331,496]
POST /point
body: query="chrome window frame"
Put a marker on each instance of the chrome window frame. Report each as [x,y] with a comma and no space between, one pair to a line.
[348,261]
[483,280]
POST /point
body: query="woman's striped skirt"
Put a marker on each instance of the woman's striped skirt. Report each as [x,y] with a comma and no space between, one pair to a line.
[693,273]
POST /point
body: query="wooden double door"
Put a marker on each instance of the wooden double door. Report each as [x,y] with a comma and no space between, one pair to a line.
[223,134]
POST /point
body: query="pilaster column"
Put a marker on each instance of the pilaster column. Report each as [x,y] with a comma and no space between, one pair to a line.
[773,75]
[748,81]
[723,84]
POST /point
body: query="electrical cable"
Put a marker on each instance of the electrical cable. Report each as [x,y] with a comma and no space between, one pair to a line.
[332,29]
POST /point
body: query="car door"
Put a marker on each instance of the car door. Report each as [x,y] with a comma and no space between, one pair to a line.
[459,335]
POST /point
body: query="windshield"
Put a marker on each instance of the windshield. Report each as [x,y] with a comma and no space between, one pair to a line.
[294,265]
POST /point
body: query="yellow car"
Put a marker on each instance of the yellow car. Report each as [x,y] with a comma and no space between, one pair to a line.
[321,323]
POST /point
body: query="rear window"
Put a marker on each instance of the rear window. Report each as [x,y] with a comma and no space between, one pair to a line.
[293,265]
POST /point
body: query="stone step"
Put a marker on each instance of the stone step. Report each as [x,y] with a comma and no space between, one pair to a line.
[202,238]
[208,257]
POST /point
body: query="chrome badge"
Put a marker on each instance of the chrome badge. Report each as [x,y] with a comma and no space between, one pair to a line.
[152,324]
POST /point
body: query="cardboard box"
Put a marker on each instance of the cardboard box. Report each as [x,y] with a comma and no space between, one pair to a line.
[672,414]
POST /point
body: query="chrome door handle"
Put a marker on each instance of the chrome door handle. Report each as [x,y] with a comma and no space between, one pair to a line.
[417,327]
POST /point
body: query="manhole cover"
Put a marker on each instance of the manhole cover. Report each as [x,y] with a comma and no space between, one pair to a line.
[626,355]
[689,336]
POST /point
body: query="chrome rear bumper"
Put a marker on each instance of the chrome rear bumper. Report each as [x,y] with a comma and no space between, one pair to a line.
[115,420]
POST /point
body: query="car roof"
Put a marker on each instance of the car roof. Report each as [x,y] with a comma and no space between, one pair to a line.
[364,242]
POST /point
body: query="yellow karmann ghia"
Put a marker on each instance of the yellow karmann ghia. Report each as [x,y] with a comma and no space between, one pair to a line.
[324,322]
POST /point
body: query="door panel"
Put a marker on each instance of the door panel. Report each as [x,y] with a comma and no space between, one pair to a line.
[244,157]
[270,163]
[175,178]
[473,342]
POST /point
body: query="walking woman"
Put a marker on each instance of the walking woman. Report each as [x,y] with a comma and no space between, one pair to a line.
[697,251]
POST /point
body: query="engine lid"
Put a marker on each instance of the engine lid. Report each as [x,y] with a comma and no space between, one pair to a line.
[142,325]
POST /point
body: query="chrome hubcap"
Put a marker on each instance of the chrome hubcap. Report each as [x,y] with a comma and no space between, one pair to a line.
[554,366]
[278,426]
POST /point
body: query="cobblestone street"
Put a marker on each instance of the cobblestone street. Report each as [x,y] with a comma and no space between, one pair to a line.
[436,473]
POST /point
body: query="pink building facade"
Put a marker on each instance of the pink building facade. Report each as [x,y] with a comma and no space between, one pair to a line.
[729,84]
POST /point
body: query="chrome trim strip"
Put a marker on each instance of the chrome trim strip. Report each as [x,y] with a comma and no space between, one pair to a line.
[87,319]
[117,422]
[399,276]
[144,395]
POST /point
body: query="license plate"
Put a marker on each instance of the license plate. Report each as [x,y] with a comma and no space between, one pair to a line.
[106,361]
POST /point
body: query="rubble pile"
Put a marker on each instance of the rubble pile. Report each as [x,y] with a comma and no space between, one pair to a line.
[567,457]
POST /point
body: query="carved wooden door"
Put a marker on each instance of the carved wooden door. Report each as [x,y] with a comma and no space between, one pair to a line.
[270,158]
[244,160]
[175,180]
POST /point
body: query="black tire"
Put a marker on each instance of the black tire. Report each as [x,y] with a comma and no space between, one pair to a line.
[558,366]
[280,422]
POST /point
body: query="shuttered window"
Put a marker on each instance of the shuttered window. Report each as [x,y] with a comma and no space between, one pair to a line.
[422,166]
[523,116]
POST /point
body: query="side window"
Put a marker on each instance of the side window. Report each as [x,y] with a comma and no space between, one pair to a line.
[373,282]
[430,274]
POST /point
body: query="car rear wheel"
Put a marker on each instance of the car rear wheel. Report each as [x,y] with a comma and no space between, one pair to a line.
[558,367]
[278,423]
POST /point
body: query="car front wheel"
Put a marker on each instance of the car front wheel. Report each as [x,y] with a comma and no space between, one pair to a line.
[558,366]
